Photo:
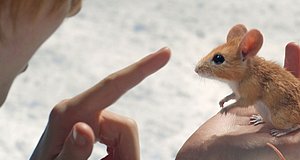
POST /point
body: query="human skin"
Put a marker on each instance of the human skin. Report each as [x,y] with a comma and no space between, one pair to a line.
[70,134]
[230,136]
[77,123]
[23,32]
[85,115]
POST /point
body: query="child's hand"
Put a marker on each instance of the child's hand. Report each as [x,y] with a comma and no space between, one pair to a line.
[75,124]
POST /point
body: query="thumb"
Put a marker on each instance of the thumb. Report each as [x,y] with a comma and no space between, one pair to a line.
[79,143]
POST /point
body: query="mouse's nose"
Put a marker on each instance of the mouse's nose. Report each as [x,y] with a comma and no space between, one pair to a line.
[197,69]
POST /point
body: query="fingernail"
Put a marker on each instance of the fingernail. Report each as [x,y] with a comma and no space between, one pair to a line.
[162,49]
[78,139]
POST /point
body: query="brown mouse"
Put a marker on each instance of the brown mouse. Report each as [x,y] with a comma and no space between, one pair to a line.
[274,91]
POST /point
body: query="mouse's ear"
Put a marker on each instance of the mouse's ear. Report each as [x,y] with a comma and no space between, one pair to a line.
[251,44]
[237,31]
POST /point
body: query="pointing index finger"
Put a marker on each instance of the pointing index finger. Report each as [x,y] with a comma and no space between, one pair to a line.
[115,85]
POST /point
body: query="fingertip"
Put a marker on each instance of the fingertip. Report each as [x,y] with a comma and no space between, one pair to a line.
[82,134]
[292,49]
[163,49]
[79,143]
[153,62]
[168,52]
[165,52]
[292,58]
[292,44]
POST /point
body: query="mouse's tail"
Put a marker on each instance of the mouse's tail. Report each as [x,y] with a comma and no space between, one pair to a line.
[277,151]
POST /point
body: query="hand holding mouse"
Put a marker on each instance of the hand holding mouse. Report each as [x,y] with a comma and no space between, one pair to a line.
[231,137]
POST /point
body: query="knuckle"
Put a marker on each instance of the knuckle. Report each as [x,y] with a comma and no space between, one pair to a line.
[109,79]
[112,81]
[58,109]
[131,125]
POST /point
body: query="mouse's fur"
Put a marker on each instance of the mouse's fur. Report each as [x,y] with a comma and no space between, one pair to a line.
[254,80]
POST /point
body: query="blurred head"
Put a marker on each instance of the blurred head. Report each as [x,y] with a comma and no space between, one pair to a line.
[24,26]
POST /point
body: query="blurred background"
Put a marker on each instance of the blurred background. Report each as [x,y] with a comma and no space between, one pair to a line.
[108,35]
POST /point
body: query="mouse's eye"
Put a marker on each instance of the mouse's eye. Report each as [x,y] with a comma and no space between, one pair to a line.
[218,59]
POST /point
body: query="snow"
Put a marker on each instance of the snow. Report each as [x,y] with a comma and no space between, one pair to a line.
[108,35]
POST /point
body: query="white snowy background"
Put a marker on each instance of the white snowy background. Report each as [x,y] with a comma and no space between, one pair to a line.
[108,35]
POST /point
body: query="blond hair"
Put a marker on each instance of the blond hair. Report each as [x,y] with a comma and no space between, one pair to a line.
[12,11]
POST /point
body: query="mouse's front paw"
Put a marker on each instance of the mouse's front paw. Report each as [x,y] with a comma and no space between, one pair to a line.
[221,103]
[224,110]
[226,99]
